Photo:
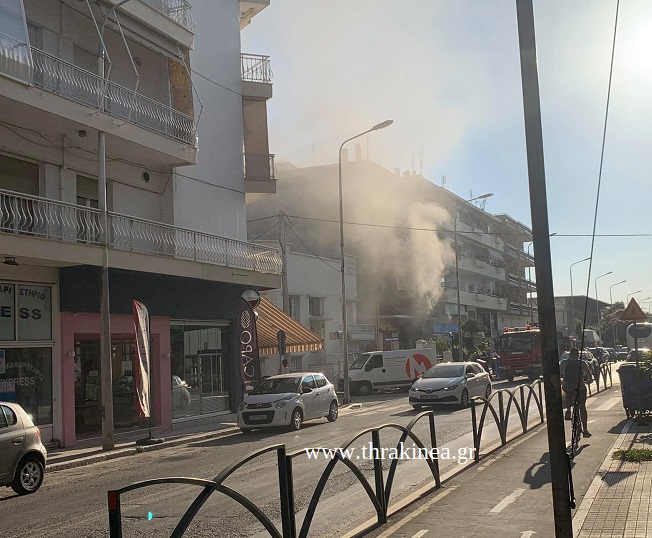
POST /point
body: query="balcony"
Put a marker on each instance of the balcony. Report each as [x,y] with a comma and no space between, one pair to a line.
[249,9]
[76,84]
[481,235]
[480,267]
[260,173]
[32,216]
[256,73]
[526,258]
[177,10]
[475,299]
[15,59]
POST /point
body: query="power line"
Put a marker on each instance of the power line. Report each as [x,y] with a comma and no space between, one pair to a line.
[264,233]
[312,251]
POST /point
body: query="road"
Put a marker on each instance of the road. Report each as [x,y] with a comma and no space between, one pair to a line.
[73,502]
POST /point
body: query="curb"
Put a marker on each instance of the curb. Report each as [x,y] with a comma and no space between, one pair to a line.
[132,451]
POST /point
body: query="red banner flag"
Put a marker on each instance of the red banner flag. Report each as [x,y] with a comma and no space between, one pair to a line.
[141,325]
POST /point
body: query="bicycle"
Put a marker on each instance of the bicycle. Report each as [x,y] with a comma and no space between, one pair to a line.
[576,430]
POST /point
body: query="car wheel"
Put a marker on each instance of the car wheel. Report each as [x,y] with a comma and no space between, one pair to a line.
[510,378]
[333,412]
[464,399]
[487,391]
[246,431]
[296,420]
[184,401]
[29,475]
[364,389]
[416,406]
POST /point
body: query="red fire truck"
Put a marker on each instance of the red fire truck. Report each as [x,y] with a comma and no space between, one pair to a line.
[519,349]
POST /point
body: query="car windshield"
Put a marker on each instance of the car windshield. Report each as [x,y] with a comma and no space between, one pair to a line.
[278,385]
[445,370]
[359,362]
[516,342]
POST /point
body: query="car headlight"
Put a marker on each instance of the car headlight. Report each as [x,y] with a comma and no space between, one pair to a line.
[450,387]
[280,404]
[242,406]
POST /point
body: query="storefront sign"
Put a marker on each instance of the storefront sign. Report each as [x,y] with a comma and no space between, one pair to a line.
[249,359]
[34,312]
[7,318]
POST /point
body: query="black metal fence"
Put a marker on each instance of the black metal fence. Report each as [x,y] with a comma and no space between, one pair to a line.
[601,375]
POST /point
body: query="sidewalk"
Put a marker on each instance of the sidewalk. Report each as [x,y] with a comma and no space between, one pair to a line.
[509,495]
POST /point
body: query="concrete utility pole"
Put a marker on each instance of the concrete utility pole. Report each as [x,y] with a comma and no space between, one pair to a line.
[284,261]
[559,467]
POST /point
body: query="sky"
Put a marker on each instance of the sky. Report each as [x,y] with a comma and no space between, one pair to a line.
[448,73]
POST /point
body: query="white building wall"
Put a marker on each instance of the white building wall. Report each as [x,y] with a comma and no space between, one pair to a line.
[212,198]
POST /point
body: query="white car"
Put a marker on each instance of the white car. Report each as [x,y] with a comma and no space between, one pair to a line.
[288,400]
[452,382]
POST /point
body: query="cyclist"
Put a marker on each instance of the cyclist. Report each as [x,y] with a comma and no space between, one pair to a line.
[569,369]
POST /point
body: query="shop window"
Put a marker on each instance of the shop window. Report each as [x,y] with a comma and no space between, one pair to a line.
[316,306]
[25,312]
[26,378]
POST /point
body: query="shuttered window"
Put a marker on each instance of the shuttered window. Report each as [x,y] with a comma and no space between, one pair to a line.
[19,176]
[87,191]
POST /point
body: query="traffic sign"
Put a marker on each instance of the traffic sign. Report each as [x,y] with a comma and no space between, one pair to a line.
[633,312]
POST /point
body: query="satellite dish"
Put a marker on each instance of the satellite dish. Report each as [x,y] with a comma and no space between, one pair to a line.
[252,297]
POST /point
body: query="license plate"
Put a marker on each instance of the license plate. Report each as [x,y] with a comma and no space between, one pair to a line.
[257,417]
[429,397]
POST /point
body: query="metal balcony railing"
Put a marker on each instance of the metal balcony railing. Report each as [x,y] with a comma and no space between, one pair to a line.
[259,167]
[177,10]
[256,68]
[15,58]
[34,216]
[62,78]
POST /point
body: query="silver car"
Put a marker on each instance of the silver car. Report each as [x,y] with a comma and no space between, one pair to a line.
[453,382]
[22,454]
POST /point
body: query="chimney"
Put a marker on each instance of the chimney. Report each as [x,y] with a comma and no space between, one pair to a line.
[358,152]
[345,155]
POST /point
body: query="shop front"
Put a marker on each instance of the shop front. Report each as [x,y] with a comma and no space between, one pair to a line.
[26,350]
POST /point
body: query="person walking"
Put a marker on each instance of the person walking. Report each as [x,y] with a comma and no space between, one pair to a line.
[284,369]
[575,374]
[495,363]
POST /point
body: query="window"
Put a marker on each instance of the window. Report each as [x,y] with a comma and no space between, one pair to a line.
[316,306]
[469,369]
[308,382]
[320,380]
[3,418]
[296,363]
[377,361]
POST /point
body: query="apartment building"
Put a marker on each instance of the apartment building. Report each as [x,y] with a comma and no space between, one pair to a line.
[404,230]
[122,128]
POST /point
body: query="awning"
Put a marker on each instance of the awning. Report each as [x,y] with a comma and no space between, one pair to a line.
[270,320]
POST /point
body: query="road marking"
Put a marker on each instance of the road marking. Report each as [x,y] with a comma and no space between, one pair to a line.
[527,534]
[507,501]
[416,513]
[608,404]
[420,534]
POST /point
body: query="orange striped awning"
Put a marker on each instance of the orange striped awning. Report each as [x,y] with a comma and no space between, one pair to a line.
[271,319]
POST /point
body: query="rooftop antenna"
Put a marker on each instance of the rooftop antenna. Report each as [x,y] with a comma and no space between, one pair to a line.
[413,161]
[443,181]
[422,153]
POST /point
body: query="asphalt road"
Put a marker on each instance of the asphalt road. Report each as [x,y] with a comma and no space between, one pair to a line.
[73,502]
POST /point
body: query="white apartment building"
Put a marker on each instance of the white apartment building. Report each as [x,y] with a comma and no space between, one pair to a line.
[315,301]
[94,89]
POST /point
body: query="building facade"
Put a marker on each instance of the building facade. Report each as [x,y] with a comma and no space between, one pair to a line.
[100,166]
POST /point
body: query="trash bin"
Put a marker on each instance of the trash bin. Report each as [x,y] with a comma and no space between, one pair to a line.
[629,390]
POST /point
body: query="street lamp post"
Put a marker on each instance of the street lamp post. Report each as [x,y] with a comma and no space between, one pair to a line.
[572,327]
[457,275]
[529,284]
[630,295]
[611,302]
[345,344]
[597,308]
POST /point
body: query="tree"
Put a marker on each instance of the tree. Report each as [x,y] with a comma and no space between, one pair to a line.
[610,321]
[473,340]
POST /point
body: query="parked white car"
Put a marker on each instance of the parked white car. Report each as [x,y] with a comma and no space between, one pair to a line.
[453,382]
[288,400]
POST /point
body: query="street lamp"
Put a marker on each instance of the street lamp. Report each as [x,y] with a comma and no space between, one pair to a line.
[630,295]
[457,274]
[572,327]
[611,302]
[345,345]
[597,308]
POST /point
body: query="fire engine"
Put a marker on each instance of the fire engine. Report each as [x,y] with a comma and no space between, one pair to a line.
[519,349]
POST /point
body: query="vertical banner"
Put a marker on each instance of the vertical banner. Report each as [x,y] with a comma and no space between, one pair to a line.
[141,325]
[249,359]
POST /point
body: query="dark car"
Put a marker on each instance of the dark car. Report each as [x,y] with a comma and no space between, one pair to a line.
[22,454]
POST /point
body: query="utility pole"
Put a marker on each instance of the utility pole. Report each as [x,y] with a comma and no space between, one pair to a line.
[284,260]
[559,464]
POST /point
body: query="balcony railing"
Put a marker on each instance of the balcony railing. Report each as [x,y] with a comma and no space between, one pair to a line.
[259,167]
[34,216]
[177,10]
[62,78]
[256,68]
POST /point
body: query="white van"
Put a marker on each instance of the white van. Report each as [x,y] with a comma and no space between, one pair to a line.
[390,369]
